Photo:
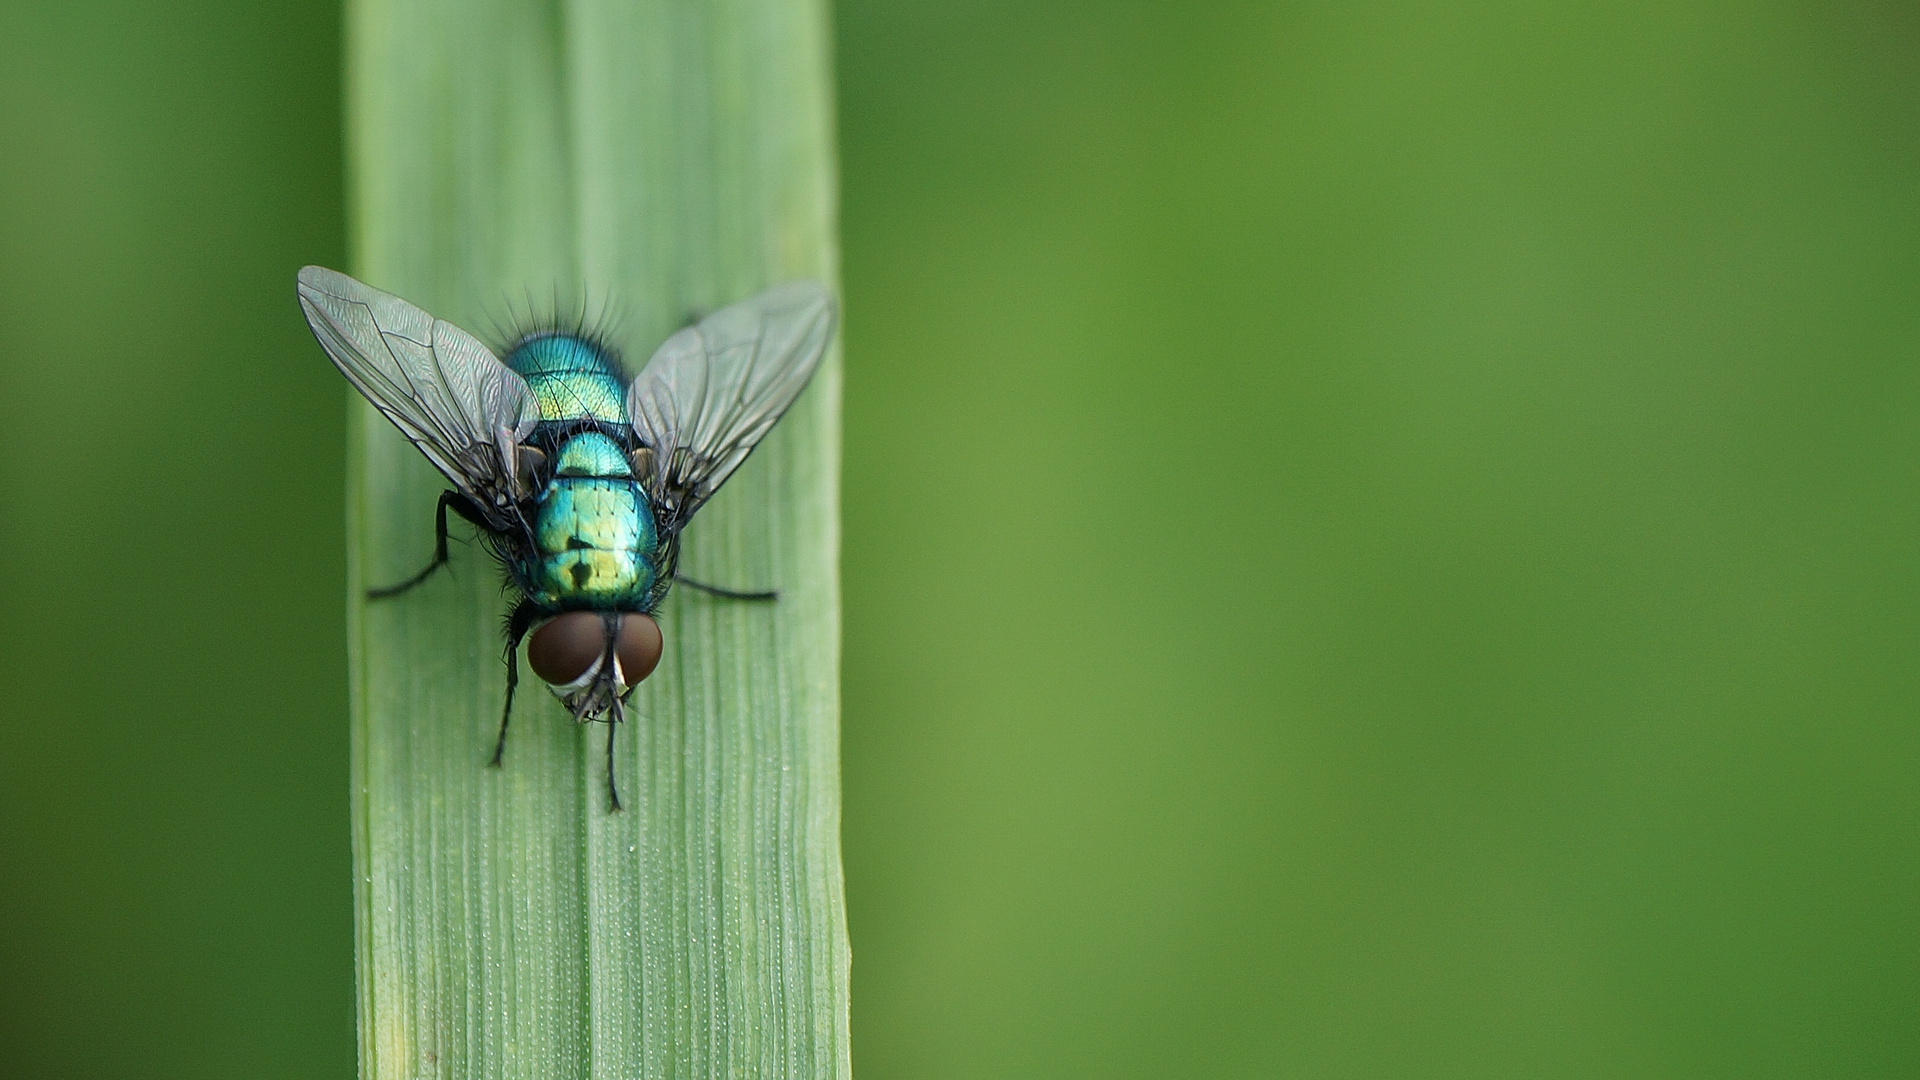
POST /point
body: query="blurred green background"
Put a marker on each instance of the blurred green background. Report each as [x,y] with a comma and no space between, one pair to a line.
[1381,540]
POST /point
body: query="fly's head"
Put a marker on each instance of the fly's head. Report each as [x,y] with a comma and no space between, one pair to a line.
[591,659]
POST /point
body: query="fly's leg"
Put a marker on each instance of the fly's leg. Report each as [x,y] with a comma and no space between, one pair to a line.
[725,594]
[518,624]
[462,506]
[615,716]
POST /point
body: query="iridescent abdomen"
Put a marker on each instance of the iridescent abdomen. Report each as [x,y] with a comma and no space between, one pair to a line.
[571,378]
[593,530]
[596,542]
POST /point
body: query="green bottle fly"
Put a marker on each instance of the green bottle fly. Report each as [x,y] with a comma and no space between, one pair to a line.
[579,477]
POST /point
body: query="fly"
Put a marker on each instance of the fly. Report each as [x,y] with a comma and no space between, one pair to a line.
[579,479]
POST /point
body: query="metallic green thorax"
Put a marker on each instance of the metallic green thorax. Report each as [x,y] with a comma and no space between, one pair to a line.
[597,547]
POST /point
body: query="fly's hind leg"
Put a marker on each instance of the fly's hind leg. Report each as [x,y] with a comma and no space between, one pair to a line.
[726,594]
[518,623]
[462,506]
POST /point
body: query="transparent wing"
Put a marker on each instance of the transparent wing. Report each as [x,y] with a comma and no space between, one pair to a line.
[714,389]
[446,392]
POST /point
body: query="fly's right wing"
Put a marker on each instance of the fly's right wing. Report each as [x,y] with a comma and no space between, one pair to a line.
[455,400]
[714,389]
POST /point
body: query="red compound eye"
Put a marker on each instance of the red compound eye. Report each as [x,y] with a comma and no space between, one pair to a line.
[565,647]
[638,648]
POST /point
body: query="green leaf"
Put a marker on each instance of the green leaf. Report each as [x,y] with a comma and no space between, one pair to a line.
[657,160]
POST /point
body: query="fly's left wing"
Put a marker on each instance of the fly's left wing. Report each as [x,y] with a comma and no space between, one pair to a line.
[455,400]
[714,389]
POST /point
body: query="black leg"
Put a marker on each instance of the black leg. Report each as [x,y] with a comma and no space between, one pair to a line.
[725,594]
[462,506]
[615,715]
[518,624]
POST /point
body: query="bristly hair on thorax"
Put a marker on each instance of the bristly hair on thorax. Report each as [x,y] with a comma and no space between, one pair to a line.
[560,315]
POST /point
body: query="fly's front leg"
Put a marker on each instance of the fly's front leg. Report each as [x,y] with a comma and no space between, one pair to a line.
[615,715]
[523,617]
[615,711]
[462,506]
[725,594]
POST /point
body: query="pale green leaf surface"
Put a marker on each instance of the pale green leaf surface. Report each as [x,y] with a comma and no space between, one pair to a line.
[658,160]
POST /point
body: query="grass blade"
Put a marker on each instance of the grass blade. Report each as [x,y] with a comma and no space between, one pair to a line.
[661,159]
